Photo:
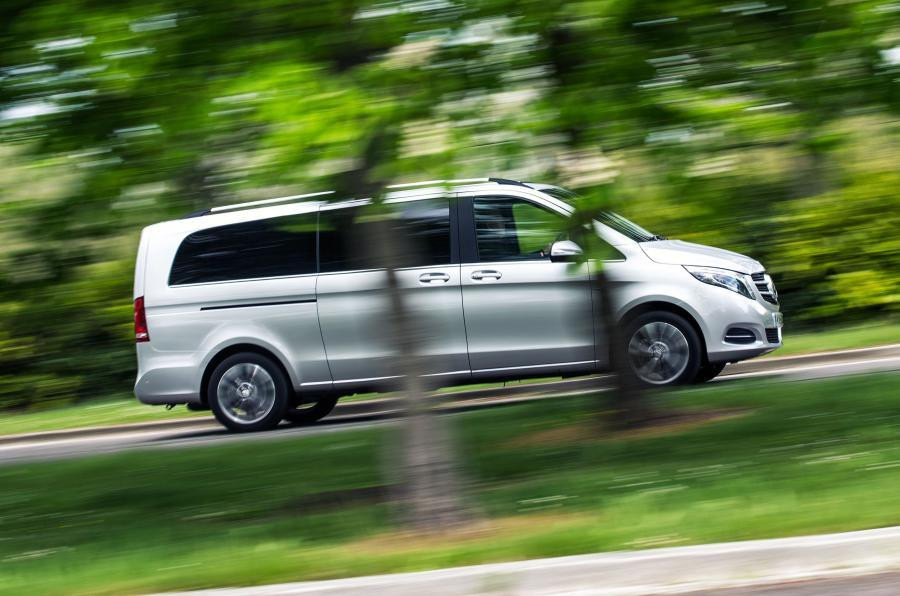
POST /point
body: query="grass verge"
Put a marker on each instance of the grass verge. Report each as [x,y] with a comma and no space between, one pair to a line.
[784,458]
[107,412]
[840,338]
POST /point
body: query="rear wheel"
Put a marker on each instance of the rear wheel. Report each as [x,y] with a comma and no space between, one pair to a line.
[709,371]
[312,412]
[248,392]
[662,348]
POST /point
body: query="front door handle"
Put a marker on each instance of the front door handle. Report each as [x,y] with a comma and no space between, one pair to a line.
[486,274]
[434,278]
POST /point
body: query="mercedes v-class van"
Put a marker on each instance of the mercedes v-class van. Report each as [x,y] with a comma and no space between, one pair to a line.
[273,310]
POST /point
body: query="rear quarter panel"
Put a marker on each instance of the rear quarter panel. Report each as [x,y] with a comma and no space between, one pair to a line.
[188,325]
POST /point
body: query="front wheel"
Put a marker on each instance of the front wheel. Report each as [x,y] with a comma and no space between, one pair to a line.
[248,392]
[310,413]
[662,348]
[709,371]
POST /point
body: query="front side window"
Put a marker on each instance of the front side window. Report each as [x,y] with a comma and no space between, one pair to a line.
[510,229]
[273,247]
[421,228]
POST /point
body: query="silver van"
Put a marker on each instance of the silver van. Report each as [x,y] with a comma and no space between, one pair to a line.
[273,310]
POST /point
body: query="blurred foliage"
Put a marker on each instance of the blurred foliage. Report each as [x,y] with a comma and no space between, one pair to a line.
[769,129]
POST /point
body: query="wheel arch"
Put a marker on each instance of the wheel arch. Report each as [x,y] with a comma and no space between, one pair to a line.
[661,305]
[237,348]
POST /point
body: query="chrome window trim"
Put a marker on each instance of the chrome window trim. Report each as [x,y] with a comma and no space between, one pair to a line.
[511,261]
[416,268]
[241,280]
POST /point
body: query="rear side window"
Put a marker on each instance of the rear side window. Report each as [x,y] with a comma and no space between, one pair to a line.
[264,248]
[422,226]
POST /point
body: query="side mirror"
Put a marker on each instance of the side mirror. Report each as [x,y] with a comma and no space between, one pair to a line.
[565,250]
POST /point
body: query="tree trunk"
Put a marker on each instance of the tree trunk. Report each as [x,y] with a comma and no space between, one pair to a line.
[429,494]
[630,402]
[422,464]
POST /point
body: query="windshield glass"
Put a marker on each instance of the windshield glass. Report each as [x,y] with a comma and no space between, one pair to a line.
[626,227]
[608,218]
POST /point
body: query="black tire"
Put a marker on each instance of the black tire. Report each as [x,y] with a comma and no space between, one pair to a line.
[709,371]
[694,348]
[269,416]
[311,413]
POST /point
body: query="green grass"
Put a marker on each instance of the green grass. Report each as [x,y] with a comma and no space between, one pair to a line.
[106,412]
[124,411]
[840,338]
[804,457]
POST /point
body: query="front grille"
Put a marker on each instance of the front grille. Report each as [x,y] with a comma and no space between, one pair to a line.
[772,335]
[765,286]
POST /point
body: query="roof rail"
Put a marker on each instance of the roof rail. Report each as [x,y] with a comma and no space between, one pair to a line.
[250,204]
[434,182]
[270,201]
[236,206]
[508,181]
[199,213]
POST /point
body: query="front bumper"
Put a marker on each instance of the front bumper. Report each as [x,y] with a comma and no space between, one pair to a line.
[753,330]
[736,327]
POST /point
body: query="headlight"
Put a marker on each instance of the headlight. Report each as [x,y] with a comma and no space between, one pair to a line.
[722,278]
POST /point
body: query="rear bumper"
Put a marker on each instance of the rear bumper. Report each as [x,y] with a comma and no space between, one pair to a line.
[165,378]
[157,387]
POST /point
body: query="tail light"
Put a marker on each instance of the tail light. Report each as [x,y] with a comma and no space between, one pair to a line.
[140,321]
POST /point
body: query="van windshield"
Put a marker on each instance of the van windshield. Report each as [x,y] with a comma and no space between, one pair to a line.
[627,227]
[608,218]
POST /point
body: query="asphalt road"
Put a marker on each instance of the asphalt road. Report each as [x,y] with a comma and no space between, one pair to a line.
[885,584]
[164,437]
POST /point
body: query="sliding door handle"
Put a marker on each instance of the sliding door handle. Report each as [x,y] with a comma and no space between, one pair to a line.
[486,274]
[435,277]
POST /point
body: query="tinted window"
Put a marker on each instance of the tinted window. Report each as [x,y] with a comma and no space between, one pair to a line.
[508,229]
[263,248]
[421,227]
